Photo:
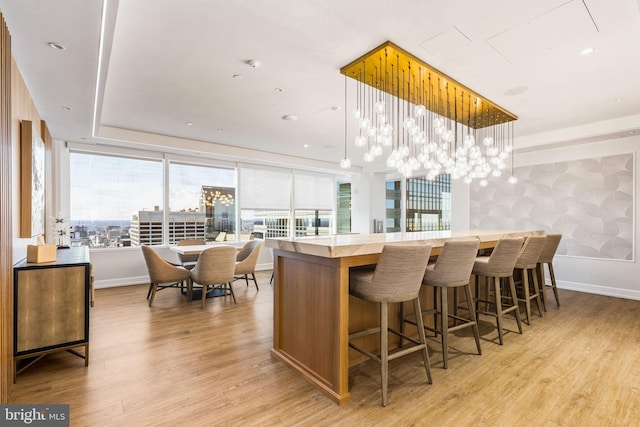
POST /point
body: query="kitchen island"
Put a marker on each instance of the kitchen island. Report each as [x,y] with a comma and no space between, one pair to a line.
[313,312]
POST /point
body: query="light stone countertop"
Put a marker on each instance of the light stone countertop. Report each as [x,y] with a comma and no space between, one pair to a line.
[337,246]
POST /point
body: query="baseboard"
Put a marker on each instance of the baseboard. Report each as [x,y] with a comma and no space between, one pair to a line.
[600,290]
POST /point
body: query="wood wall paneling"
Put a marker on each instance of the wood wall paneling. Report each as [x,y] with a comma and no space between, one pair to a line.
[6,248]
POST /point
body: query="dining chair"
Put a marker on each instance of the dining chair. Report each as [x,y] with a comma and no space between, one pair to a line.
[396,279]
[189,261]
[162,274]
[246,260]
[215,266]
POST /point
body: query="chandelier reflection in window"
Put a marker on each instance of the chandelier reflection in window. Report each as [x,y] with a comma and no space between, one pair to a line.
[426,120]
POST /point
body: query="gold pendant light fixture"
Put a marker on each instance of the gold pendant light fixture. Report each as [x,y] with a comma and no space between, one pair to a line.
[428,120]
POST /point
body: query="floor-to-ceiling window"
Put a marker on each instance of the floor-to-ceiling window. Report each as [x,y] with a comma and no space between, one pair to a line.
[427,207]
[115,200]
[202,202]
[429,203]
[343,212]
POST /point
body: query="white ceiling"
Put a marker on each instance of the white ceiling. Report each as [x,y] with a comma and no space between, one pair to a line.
[168,62]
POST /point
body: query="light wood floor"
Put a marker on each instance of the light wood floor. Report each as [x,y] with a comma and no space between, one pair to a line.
[175,364]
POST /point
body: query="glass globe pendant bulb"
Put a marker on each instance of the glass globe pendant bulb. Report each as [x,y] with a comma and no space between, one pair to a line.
[368,156]
[380,107]
[420,111]
[360,141]
[364,123]
[345,163]
[487,140]
[387,141]
[372,132]
[357,113]
[387,129]
[409,122]
[376,150]
[512,180]
[484,183]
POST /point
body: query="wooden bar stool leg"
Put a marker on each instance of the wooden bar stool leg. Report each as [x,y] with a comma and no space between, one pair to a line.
[514,298]
[553,283]
[539,272]
[384,349]
[445,324]
[538,299]
[472,315]
[422,338]
[496,287]
[527,300]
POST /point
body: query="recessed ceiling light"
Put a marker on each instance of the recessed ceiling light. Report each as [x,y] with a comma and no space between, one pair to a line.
[289,117]
[237,76]
[278,90]
[219,129]
[587,51]
[189,123]
[618,100]
[65,108]
[253,63]
[56,46]
[83,138]
[336,108]
[306,145]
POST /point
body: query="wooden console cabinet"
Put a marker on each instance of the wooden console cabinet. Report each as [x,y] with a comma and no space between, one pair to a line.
[51,307]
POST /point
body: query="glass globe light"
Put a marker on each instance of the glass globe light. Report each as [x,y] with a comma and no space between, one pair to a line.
[422,157]
[413,163]
[345,163]
[357,113]
[368,156]
[438,123]
[484,183]
[420,111]
[487,140]
[404,150]
[372,132]
[364,123]
[469,140]
[512,180]
[448,135]
[508,149]
[387,141]
[386,129]
[433,147]
[409,122]
[391,162]
[503,155]
[360,141]
[492,151]
[380,107]
[496,173]
[382,119]
[376,150]
[468,179]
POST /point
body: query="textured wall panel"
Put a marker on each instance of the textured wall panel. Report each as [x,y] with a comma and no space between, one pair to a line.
[589,201]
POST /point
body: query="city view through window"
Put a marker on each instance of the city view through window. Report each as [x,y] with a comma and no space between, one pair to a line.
[117,202]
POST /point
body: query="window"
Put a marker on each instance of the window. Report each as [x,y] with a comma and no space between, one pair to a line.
[429,203]
[202,202]
[313,203]
[393,204]
[115,201]
[265,199]
[343,219]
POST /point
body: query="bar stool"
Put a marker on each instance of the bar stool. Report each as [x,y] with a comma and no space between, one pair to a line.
[496,268]
[546,257]
[452,269]
[526,264]
[396,279]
